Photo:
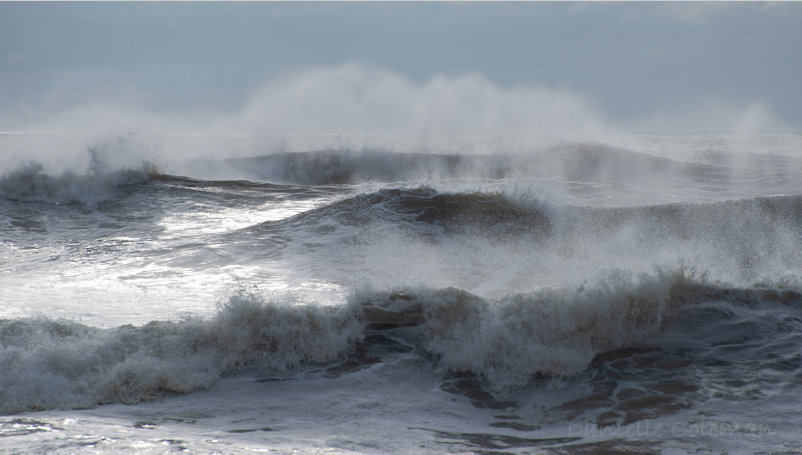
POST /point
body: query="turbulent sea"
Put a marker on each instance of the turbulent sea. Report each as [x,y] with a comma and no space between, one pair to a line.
[641,295]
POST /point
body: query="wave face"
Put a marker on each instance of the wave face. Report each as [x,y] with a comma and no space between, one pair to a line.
[485,214]
[512,301]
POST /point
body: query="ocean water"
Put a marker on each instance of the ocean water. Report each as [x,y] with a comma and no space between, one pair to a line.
[641,294]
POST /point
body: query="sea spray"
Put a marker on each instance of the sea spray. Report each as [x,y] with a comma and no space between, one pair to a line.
[28,183]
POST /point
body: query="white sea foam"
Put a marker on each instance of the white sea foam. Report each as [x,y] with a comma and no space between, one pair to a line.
[498,308]
[553,332]
[507,341]
[62,364]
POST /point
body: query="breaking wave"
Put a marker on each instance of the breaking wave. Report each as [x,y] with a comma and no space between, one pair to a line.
[47,363]
[29,183]
[553,332]
[505,342]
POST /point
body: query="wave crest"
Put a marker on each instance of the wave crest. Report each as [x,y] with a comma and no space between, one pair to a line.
[551,332]
[478,213]
[47,364]
[29,183]
[505,342]
[574,161]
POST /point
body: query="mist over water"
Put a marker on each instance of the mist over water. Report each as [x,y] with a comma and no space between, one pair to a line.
[352,107]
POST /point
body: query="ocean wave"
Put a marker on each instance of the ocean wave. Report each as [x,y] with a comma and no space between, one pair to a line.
[558,332]
[345,166]
[503,342]
[423,208]
[47,364]
[553,332]
[594,162]
[28,183]
[233,185]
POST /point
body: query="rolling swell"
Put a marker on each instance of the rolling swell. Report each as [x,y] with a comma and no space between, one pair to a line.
[328,167]
[589,162]
[423,208]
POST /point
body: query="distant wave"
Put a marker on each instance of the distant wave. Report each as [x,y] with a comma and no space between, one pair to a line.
[575,161]
[747,237]
[29,183]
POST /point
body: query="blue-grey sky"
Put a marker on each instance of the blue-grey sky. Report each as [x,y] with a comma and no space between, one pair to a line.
[690,66]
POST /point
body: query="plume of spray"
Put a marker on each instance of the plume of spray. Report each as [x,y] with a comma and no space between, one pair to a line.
[29,181]
[353,107]
[316,108]
[434,115]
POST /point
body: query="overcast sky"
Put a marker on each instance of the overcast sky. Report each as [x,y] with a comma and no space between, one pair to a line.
[687,66]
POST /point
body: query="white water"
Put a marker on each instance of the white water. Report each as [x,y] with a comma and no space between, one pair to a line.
[697,253]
